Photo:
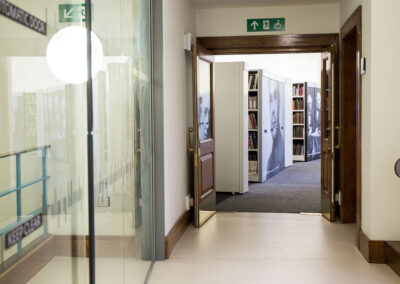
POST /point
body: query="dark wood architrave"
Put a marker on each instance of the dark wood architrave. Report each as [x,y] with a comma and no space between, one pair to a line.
[393,256]
[354,23]
[272,44]
[300,43]
[176,232]
[373,251]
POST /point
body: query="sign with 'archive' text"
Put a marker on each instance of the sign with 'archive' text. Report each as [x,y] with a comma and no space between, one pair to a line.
[69,13]
[266,25]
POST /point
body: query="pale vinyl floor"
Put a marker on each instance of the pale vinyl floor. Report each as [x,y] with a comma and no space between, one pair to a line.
[71,270]
[250,248]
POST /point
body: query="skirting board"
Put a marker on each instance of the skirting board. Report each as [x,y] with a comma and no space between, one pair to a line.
[373,251]
[381,252]
[393,256]
[106,246]
[176,232]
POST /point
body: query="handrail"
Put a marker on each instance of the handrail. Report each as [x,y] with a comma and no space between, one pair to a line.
[19,187]
[5,155]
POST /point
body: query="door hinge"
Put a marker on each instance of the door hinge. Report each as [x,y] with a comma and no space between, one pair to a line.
[338,197]
[195,159]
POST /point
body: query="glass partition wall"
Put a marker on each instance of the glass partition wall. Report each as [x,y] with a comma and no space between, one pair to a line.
[44,205]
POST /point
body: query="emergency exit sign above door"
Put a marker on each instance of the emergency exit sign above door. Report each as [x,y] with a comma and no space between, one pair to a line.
[266,25]
[69,13]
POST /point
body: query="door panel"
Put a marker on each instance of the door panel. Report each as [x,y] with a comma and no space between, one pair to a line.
[204,136]
[327,89]
[207,175]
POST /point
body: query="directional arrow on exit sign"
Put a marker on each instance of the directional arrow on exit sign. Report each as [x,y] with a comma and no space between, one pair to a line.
[254,25]
[266,25]
[72,13]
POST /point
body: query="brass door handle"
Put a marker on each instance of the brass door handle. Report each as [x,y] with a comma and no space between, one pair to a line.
[338,130]
[190,132]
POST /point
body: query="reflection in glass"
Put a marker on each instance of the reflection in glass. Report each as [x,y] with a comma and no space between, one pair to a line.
[122,143]
[38,110]
[42,121]
[204,100]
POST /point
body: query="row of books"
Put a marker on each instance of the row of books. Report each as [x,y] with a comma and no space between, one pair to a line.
[298,104]
[298,149]
[298,118]
[253,163]
[253,81]
[253,103]
[298,90]
[298,131]
[253,141]
[253,167]
[253,121]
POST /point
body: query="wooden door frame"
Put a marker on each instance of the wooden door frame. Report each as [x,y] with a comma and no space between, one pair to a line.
[273,44]
[267,44]
[354,23]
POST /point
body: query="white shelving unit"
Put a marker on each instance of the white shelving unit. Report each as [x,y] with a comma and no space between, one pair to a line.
[299,119]
[231,127]
[254,122]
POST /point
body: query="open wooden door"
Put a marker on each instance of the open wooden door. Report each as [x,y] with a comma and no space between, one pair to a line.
[204,135]
[327,151]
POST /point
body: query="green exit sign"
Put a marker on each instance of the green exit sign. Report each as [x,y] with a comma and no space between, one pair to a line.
[69,13]
[266,25]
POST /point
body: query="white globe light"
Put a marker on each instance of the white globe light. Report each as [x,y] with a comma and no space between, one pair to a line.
[67,55]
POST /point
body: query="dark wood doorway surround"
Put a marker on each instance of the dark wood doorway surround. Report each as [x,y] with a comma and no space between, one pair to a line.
[350,121]
[328,44]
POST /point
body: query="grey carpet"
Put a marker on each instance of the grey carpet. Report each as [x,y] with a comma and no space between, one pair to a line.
[294,190]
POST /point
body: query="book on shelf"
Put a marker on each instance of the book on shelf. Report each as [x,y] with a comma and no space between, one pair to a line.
[253,140]
[298,118]
[298,90]
[298,104]
[298,131]
[253,103]
[253,163]
[298,149]
[253,167]
[252,121]
[253,81]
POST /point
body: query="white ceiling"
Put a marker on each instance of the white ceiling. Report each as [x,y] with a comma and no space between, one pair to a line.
[253,3]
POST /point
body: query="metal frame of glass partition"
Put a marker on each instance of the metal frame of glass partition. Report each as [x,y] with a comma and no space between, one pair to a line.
[89,94]
[91,183]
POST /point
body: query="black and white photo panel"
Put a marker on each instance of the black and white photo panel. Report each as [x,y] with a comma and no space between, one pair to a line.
[313,123]
[274,136]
